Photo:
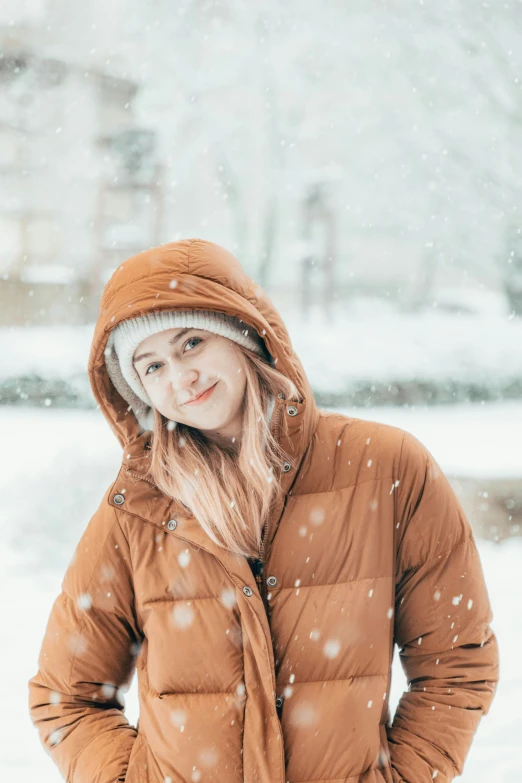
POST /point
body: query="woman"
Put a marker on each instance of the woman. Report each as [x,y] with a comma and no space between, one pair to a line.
[256,559]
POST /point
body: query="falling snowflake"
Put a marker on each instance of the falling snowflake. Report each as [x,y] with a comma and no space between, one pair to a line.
[332,648]
[182,615]
[77,644]
[55,737]
[394,485]
[84,601]
[317,516]
[120,693]
[107,573]
[208,757]
[303,715]
[178,717]
[228,597]
[184,558]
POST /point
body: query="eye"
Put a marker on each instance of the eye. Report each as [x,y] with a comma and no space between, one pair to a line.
[199,339]
[150,367]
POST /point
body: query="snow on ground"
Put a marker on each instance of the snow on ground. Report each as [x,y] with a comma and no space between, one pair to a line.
[395,347]
[54,472]
[47,351]
[388,347]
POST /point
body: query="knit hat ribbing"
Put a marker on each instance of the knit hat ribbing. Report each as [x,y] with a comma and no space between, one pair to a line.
[127,335]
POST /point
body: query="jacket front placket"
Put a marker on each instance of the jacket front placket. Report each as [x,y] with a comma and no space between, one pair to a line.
[175,519]
[260,682]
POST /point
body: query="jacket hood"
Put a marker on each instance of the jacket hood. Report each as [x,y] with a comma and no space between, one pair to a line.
[189,274]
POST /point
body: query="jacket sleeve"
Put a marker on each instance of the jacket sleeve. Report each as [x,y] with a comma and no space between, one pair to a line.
[87,659]
[442,615]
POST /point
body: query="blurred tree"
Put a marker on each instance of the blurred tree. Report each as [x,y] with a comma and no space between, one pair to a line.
[511,264]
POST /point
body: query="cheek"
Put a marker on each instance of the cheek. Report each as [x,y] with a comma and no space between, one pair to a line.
[233,387]
[239,385]
[156,388]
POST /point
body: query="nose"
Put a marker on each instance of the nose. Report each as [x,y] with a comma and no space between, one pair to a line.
[181,378]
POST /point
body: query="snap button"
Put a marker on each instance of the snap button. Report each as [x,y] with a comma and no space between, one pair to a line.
[247,590]
[119,499]
[279,702]
[271,581]
[172,524]
[286,467]
[292,410]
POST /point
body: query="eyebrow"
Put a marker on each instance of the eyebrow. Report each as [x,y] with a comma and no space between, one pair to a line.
[171,342]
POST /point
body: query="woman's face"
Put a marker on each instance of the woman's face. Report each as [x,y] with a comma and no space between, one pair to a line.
[175,366]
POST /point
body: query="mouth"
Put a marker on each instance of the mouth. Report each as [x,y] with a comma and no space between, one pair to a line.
[203,397]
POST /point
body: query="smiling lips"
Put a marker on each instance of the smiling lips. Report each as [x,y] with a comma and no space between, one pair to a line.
[202,397]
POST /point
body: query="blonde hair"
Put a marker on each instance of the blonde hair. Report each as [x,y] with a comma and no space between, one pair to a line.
[229,490]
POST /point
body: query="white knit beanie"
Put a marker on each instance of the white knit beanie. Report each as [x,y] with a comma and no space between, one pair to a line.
[127,335]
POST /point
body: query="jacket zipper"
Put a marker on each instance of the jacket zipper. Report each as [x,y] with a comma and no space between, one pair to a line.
[259,565]
[258,574]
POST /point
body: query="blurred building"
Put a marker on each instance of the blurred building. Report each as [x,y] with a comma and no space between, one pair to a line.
[79,189]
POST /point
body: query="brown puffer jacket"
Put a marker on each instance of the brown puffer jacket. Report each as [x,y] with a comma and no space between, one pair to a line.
[289,684]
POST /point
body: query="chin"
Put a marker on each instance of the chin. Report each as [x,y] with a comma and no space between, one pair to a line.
[211,424]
